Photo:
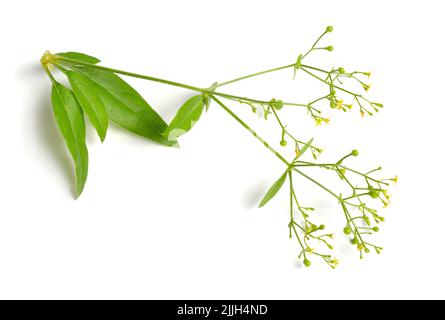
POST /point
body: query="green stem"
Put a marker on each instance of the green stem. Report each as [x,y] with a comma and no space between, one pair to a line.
[53,81]
[315,43]
[131,74]
[314,68]
[254,75]
[326,82]
[273,69]
[303,67]
[278,119]
[279,156]
[264,142]
[240,99]
[333,165]
[172,83]
[317,183]
[362,174]
[283,128]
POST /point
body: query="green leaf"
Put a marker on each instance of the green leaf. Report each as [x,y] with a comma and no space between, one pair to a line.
[126,107]
[207,98]
[185,118]
[79,56]
[273,189]
[69,118]
[305,147]
[85,91]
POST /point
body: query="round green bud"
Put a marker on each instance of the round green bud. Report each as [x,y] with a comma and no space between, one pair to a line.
[374,194]
[354,241]
[330,48]
[355,153]
[341,70]
[307,263]
[367,250]
[329,28]
[283,143]
[321,227]
[376,229]
[278,105]
[347,230]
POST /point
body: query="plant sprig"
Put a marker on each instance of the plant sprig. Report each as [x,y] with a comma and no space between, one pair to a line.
[102,95]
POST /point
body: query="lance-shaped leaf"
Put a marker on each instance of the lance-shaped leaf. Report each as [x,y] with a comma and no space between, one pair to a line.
[306,146]
[273,189]
[125,106]
[79,56]
[85,91]
[69,118]
[185,118]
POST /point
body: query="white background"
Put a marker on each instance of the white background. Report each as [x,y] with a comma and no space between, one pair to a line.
[181,223]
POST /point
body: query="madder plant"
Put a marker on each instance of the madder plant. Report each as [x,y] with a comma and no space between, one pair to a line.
[99,93]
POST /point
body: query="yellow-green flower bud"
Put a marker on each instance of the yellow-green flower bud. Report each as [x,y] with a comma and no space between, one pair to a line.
[374,194]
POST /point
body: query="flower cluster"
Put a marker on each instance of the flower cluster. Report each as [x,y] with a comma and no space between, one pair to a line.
[357,226]
[370,189]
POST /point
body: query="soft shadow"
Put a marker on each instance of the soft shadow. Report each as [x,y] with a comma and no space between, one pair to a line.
[30,70]
[255,194]
[298,264]
[345,249]
[135,138]
[171,105]
[47,134]
[51,140]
